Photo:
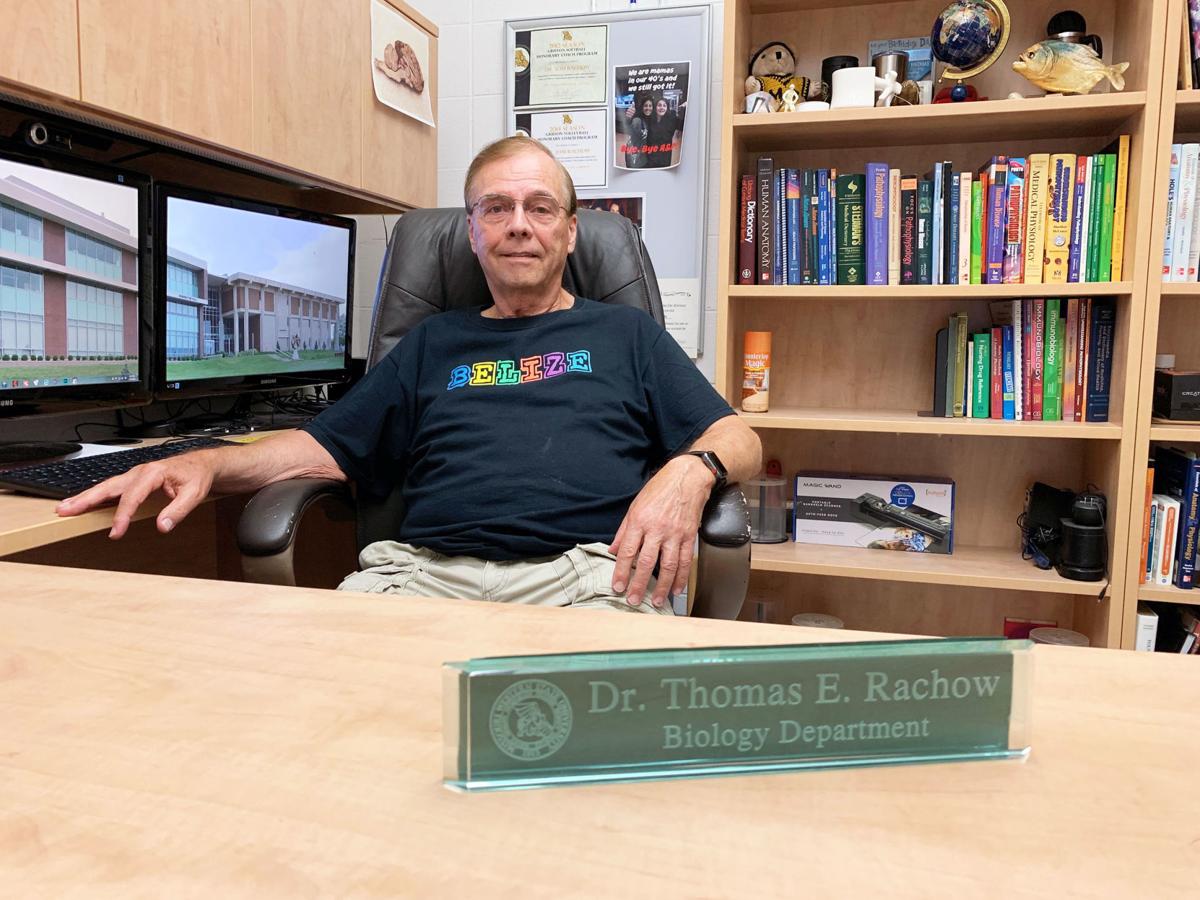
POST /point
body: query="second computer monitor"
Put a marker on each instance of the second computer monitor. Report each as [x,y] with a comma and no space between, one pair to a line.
[74,299]
[249,296]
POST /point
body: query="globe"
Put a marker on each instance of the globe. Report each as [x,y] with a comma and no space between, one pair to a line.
[967,33]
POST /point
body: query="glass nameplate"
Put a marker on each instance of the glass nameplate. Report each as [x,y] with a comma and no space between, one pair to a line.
[532,721]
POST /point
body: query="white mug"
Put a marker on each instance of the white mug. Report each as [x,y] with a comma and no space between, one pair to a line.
[854,87]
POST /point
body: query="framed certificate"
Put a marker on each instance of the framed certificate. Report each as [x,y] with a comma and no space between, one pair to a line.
[561,66]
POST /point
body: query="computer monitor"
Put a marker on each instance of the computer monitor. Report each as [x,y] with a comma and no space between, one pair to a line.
[249,296]
[75,310]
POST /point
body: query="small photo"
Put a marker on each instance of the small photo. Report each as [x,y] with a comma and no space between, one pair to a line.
[631,206]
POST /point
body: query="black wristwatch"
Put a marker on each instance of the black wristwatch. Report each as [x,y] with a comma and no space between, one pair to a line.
[714,464]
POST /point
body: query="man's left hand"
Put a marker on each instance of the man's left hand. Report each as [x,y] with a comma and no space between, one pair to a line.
[660,527]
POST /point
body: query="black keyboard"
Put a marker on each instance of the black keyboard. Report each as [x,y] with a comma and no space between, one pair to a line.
[68,477]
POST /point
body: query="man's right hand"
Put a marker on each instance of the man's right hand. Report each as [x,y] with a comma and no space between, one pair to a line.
[186,479]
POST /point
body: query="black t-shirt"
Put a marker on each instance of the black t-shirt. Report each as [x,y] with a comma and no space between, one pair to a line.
[520,437]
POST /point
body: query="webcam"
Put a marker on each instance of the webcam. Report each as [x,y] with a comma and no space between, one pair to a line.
[42,135]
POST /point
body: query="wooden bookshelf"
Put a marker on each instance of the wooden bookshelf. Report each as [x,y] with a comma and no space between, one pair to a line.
[1157,592]
[996,568]
[924,292]
[1169,323]
[877,420]
[852,367]
[1179,432]
[996,120]
[1179,288]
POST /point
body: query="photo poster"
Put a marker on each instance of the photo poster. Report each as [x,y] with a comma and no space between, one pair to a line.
[578,138]
[674,199]
[561,66]
[631,206]
[649,105]
[400,63]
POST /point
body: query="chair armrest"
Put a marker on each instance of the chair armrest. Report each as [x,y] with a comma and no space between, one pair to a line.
[723,561]
[266,530]
[725,521]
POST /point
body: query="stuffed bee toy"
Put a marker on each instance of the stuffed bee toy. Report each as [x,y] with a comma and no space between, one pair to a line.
[772,71]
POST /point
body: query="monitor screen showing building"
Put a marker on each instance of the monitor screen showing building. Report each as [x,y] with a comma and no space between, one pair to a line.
[68,279]
[250,294]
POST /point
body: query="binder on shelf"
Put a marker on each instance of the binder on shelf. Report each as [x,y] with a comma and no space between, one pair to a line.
[941,357]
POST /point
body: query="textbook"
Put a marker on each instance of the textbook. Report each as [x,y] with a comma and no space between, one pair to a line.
[1058,218]
[851,261]
[877,223]
[1121,194]
[1035,216]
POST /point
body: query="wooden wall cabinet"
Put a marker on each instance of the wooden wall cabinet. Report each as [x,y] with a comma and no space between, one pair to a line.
[45,54]
[174,63]
[283,84]
[853,366]
[309,65]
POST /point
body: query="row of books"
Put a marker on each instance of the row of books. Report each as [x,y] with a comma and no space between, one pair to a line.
[1167,628]
[1170,518]
[1049,218]
[1181,241]
[1041,360]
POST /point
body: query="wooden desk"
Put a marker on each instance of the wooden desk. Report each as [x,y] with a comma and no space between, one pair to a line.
[202,546]
[165,737]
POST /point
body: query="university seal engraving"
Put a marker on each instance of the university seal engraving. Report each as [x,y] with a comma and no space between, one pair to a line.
[530,720]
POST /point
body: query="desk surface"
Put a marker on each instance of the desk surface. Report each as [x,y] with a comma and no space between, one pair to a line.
[27,522]
[168,737]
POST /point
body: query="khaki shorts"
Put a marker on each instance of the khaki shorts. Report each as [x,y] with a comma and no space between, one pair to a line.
[581,577]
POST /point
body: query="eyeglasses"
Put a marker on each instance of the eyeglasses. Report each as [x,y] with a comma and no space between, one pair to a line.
[495,209]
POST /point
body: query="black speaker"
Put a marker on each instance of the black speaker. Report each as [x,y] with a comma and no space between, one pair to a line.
[1083,551]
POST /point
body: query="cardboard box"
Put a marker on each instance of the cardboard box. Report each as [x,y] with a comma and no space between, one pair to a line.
[878,512]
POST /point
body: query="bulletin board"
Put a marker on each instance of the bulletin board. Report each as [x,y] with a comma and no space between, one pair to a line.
[622,101]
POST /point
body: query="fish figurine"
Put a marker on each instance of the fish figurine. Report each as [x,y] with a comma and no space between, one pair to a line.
[1063,68]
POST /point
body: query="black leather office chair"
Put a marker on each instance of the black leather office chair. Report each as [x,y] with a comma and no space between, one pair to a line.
[429,267]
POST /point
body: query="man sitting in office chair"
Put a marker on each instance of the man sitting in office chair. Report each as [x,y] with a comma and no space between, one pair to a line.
[554,450]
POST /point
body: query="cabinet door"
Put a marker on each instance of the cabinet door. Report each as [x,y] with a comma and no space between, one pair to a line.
[400,153]
[45,53]
[308,64]
[179,64]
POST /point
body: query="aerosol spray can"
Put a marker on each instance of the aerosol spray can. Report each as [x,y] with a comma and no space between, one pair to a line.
[756,371]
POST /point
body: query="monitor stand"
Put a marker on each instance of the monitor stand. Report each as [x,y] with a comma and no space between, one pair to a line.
[35,451]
